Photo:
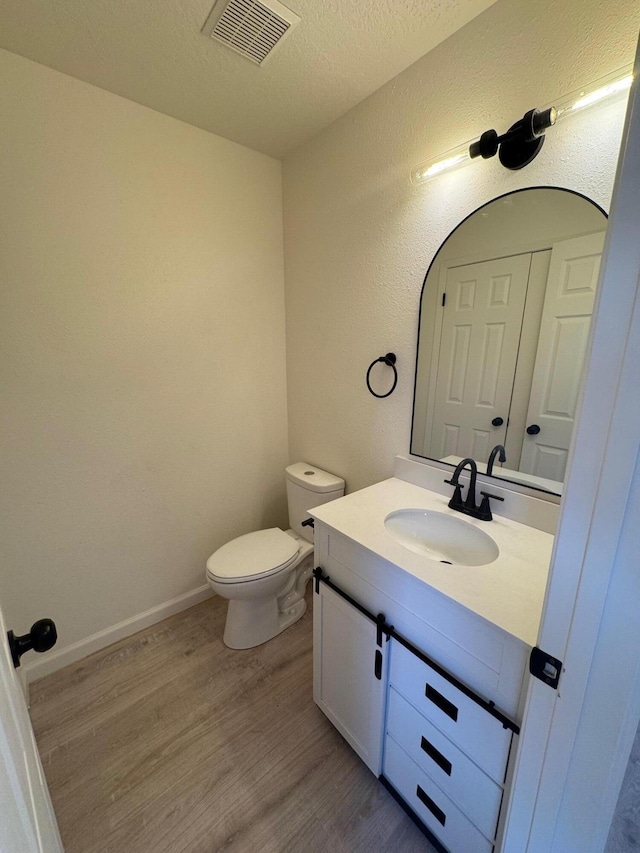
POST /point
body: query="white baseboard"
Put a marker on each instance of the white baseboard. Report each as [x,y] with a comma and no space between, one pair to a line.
[52,661]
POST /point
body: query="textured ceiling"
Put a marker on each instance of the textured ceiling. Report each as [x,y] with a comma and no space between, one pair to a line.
[152,52]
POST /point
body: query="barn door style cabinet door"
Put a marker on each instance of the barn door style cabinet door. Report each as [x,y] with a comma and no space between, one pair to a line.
[349,673]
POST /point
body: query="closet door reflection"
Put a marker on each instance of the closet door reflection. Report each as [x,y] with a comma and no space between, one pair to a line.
[481,326]
[562,346]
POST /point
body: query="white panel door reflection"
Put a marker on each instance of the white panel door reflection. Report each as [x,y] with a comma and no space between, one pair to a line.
[478,354]
[562,346]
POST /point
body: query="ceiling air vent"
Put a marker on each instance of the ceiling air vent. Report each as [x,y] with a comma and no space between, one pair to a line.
[250,27]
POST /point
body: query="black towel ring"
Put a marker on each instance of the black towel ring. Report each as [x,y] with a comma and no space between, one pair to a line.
[390,360]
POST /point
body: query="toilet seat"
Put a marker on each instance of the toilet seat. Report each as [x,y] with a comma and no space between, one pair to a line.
[253,556]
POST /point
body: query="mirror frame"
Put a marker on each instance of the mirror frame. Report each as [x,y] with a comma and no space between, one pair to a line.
[504,481]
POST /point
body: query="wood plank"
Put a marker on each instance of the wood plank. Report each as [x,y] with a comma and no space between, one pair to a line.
[169,741]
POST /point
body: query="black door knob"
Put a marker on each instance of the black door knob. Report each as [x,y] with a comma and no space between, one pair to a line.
[497,421]
[41,638]
[533,429]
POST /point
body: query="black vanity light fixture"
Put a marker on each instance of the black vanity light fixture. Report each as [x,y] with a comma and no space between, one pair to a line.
[522,142]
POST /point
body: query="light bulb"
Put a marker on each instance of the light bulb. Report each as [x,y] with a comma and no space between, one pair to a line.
[430,168]
[609,87]
[603,92]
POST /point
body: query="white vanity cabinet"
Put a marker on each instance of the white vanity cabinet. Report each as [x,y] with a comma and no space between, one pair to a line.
[417,706]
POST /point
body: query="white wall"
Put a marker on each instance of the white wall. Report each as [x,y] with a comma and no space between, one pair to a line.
[359,238]
[143,347]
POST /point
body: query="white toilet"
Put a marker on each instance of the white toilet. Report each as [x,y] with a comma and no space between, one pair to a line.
[264,574]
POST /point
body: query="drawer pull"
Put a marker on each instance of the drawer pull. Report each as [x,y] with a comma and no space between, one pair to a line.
[435,755]
[438,699]
[424,798]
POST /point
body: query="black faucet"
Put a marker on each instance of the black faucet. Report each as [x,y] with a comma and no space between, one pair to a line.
[492,458]
[456,502]
[468,506]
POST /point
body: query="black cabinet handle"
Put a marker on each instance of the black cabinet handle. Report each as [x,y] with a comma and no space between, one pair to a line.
[377,667]
[435,755]
[41,638]
[497,421]
[533,429]
[437,812]
[438,699]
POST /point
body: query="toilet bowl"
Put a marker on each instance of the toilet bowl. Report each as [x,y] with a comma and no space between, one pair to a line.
[264,574]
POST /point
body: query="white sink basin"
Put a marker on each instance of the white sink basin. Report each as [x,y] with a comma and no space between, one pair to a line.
[441,537]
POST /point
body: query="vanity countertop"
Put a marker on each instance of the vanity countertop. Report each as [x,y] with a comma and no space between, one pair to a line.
[509,592]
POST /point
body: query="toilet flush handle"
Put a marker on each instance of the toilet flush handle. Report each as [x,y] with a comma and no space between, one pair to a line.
[308,522]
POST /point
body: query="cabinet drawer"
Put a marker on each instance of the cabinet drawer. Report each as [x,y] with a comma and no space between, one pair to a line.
[477,795]
[469,726]
[430,803]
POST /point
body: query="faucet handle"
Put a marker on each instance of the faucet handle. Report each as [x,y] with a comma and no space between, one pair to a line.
[484,513]
[456,500]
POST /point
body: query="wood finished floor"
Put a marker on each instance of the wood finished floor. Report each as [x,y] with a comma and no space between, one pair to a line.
[170,742]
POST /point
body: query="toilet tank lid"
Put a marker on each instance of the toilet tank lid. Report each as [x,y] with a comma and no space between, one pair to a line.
[313,478]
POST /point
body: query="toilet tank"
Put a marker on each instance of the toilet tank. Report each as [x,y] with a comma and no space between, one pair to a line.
[307,487]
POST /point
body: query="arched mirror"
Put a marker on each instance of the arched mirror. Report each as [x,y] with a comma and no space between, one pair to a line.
[504,322]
